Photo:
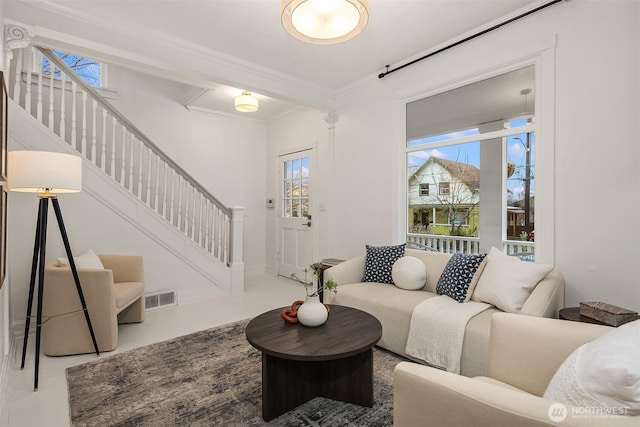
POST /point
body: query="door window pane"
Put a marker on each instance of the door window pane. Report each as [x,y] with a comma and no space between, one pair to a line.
[295,188]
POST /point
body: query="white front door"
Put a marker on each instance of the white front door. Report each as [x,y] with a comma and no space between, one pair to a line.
[295,219]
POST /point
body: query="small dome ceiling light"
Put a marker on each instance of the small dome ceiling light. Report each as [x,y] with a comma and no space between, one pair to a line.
[246,102]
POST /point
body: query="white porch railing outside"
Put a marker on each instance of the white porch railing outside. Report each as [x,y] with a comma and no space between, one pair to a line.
[518,247]
[76,112]
[467,245]
[446,244]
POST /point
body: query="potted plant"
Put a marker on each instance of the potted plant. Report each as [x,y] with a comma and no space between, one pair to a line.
[310,312]
[330,285]
[511,169]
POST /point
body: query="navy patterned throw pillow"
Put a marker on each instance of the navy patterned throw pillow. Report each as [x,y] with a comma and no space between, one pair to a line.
[379,262]
[458,274]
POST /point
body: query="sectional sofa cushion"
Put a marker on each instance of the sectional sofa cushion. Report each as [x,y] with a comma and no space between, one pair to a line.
[379,262]
[506,282]
[604,373]
[86,260]
[458,275]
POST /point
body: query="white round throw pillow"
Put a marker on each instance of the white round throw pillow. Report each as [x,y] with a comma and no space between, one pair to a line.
[409,273]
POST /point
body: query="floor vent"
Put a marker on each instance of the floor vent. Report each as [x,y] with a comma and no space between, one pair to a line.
[160,299]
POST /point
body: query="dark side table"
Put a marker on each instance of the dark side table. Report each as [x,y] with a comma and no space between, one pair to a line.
[573,314]
[324,265]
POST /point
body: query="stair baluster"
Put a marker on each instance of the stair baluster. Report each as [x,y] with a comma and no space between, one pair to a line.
[207,240]
[27,97]
[39,106]
[148,195]
[172,197]
[74,124]
[157,185]
[16,86]
[193,234]
[186,208]
[51,99]
[165,189]
[170,191]
[84,129]
[180,203]
[113,148]
[132,144]
[123,153]
[63,112]
[94,131]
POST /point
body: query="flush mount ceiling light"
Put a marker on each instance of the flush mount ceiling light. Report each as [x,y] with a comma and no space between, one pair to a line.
[246,102]
[324,21]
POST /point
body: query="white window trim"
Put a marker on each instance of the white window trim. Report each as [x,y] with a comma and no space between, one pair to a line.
[542,56]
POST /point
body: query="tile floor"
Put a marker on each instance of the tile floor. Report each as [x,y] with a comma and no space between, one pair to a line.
[21,407]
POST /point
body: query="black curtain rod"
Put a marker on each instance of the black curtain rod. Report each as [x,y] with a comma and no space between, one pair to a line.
[471,37]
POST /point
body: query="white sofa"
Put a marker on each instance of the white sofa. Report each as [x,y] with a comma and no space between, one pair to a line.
[394,306]
[525,353]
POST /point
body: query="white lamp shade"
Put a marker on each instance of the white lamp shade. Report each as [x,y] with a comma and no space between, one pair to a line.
[246,103]
[324,21]
[37,171]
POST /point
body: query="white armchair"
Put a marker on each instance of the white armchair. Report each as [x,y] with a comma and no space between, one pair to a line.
[113,295]
[524,354]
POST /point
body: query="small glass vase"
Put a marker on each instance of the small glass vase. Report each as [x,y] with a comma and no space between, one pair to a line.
[312,313]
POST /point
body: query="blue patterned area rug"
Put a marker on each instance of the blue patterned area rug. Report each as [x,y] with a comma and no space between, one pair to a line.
[208,378]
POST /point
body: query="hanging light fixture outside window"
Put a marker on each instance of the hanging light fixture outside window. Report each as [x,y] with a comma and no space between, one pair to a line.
[324,21]
[528,114]
[246,102]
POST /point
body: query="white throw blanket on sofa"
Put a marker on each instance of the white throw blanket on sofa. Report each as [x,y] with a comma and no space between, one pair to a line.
[436,332]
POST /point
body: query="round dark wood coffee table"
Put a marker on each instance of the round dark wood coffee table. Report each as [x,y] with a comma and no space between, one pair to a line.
[334,360]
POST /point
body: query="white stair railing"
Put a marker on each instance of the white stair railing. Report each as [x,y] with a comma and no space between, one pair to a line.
[83,118]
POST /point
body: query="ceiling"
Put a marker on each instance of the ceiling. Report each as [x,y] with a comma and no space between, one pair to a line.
[491,100]
[251,31]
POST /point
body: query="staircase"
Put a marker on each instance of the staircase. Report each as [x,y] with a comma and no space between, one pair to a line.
[123,168]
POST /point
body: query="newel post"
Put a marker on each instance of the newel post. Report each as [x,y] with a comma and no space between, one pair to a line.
[236,262]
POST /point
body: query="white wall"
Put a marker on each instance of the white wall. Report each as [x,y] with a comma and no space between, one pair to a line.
[596,139]
[91,225]
[596,143]
[595,75]
[4,287]
[306,129]
[226,155]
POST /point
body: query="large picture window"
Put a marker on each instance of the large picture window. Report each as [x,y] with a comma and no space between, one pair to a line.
[476,146]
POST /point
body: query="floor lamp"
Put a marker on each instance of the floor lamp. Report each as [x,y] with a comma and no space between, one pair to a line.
[47,174]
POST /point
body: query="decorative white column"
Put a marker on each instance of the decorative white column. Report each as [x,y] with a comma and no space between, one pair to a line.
[330,118]
[236,262]
[15,37]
